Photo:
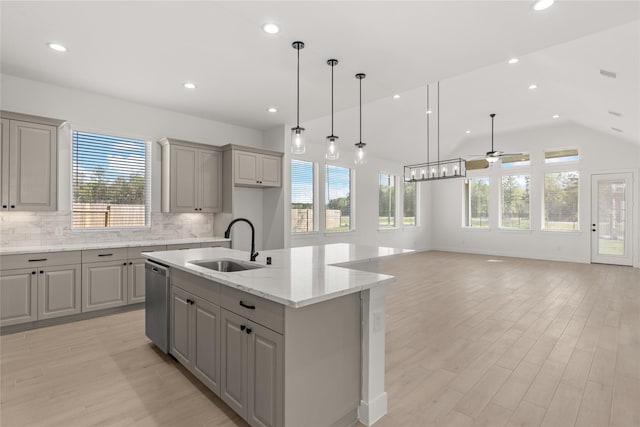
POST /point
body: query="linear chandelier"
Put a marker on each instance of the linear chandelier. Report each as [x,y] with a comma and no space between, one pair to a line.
[440,169]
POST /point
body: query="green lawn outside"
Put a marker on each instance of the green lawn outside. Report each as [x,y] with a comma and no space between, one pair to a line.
[611,247]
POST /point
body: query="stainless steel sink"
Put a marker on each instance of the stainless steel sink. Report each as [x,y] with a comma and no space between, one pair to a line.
[226,265]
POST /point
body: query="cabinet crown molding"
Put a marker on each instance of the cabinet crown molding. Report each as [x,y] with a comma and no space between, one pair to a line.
[31,119]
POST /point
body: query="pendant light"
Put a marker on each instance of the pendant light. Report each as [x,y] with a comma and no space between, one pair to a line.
[332,140]
[440,169]
[297,137]
[361,155]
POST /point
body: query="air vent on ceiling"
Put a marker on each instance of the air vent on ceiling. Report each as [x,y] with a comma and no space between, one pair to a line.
[615,113]
[616,129]
[607,73]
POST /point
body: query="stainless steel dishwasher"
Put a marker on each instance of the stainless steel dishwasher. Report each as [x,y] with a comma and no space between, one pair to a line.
[156,315]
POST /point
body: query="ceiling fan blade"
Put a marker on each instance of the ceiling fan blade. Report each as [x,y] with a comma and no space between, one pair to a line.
[510,154]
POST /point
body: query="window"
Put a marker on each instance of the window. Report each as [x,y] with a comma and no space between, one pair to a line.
[516,160]
[386,200]
[559,156]
[302,195]
[410,207]
[337,199]
[515,202]
[477,202]
[561,201]
[111,181]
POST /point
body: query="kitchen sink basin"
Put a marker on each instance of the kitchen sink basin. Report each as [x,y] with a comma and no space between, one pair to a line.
[226,265]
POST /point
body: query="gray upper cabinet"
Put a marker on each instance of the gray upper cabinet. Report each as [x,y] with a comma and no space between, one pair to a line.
[191,177]
[29,162]
[253,169]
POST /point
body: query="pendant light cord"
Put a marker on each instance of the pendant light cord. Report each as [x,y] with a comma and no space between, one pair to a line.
[332,64]
[428,130]
[438,123]
[298,91]
[360,111]
[492,116]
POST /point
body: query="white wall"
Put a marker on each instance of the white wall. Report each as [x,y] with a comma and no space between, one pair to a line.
[599,153]
[273,198]
[91,112]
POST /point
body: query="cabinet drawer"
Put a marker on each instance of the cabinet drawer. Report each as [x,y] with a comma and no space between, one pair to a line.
[204,288]
[99,255]
[39,259]
[135,252]
[260,310]
[183,246]
[216,245]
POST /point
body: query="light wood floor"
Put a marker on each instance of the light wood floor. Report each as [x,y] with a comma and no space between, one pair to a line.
[470,341]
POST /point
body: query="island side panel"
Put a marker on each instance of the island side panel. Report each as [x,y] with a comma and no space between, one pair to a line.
[322,362]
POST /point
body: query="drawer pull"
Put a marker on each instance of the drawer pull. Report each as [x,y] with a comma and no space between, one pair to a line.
[105,254]
[249,306]
[37,260]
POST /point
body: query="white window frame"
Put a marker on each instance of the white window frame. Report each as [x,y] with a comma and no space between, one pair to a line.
[417,223]
[148,181]
[316,199]
[466,214]
[352,197]
[514,171]
[396,179]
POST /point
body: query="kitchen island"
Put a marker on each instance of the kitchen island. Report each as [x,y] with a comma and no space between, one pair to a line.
[298,342]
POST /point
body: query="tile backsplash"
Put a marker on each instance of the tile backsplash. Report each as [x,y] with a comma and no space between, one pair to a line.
[52,228]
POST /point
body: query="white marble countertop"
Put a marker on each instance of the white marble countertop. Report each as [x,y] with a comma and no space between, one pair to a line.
[296,277]
[105,245]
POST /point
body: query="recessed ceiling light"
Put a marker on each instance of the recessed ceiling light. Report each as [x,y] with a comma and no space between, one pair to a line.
[396,96]
[57,47]
[467,131]
[272,109]
[189,85]
[428,111]
[542,5]
[513,61]
[533,86]
[270,28]
[555,116]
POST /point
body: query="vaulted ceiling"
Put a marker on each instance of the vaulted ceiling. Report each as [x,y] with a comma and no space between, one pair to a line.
[142,51]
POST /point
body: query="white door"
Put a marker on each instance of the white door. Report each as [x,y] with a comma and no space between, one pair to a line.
[611,216]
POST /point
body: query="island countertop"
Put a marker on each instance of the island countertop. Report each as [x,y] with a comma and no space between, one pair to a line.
[297,276]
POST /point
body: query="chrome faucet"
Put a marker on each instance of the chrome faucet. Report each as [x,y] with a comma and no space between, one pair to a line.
[254,254]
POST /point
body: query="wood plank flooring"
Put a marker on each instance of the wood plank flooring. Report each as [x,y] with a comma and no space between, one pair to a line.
[471,341]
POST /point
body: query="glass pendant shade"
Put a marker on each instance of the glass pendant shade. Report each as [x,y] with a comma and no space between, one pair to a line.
[297,141]
[332,148]
[361,154]
[492,159]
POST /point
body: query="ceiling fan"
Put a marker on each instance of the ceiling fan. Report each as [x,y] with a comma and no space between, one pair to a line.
[494,155]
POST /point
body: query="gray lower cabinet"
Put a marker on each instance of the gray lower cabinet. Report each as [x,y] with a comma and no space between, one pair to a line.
[59,291]
[195,336]
[135,280]
[18,296]
[252,370]
[39,293]
[104,284]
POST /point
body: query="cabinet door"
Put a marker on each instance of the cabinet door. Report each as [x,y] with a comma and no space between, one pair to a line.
[104,285]
[4,164]
[271,171]
[58,291]
[184,184]
[233,363]
[210,181]
[18,296]
[135,281]
[246,168]
[181,326]
[265,375]
[206,343]
[32,173]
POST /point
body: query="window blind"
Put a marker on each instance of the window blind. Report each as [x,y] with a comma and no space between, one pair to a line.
[111,181]
[302,195]
[337,198]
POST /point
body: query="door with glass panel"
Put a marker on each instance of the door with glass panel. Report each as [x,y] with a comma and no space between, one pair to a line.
[611,216]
